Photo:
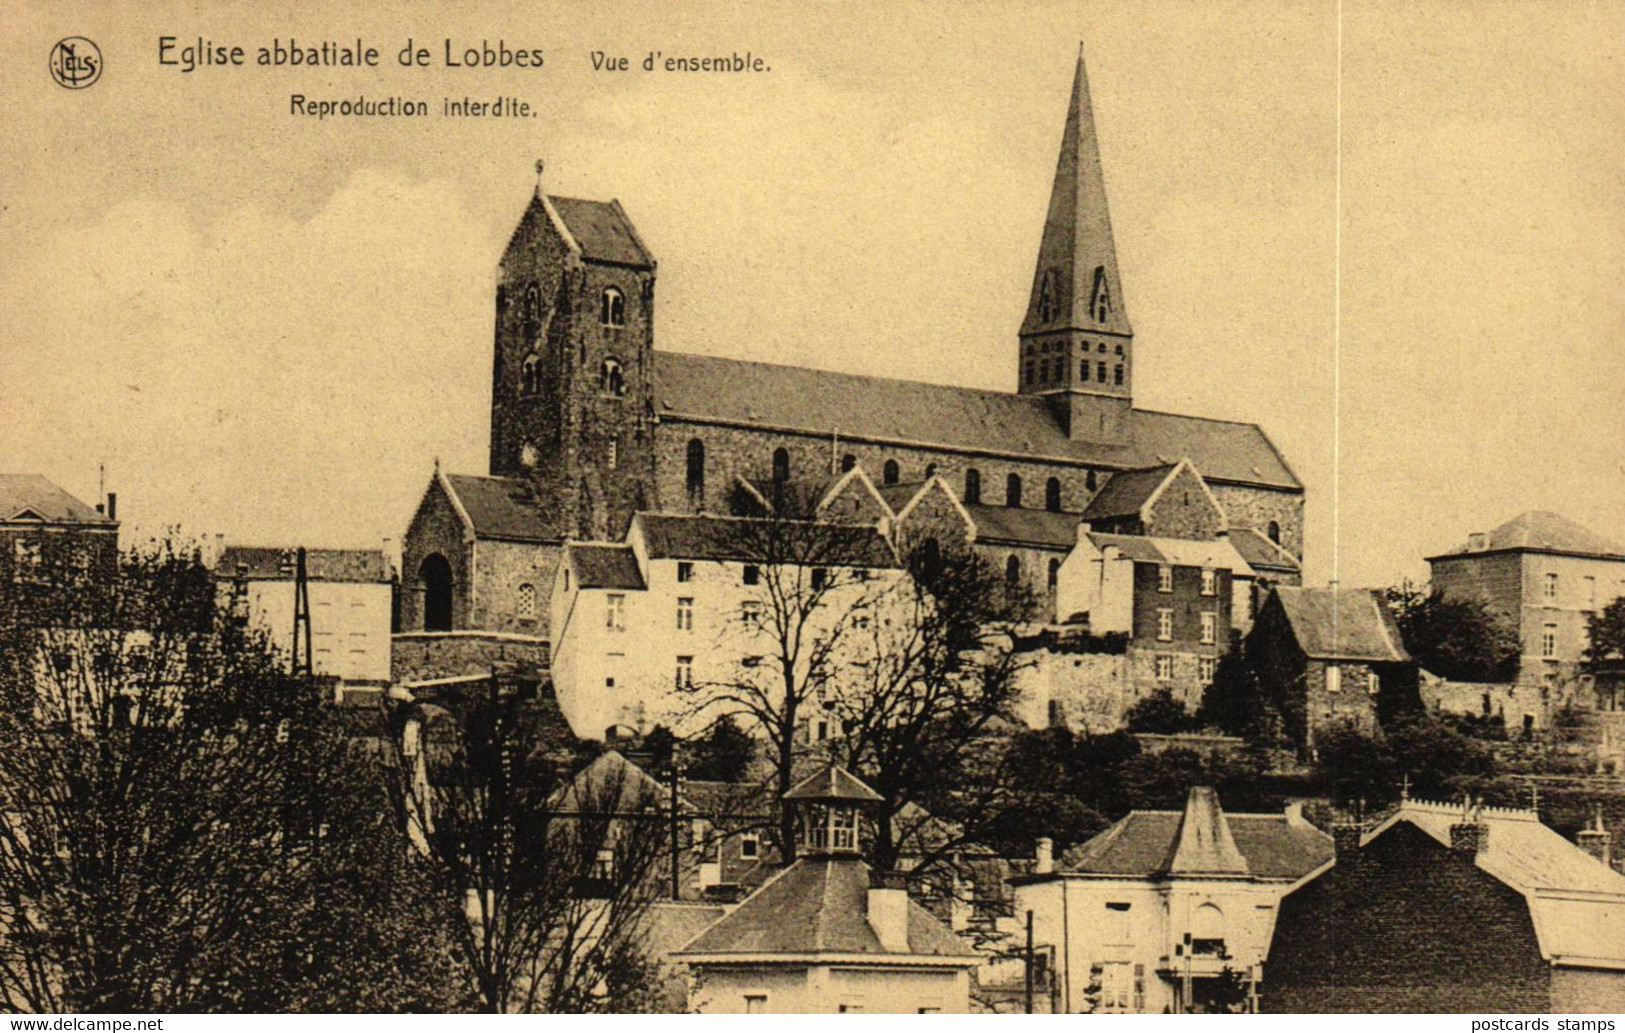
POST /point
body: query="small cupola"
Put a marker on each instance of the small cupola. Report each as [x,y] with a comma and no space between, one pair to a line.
[828,807]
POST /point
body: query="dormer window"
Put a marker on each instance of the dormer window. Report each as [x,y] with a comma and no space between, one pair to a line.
[613,308]
[612,379]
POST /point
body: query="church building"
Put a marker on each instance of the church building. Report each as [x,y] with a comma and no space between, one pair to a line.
[592,423]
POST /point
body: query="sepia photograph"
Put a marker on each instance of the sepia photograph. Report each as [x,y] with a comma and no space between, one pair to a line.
[629,508]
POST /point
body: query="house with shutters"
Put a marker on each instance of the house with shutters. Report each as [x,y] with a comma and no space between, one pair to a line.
[1455,908]
[1168,911]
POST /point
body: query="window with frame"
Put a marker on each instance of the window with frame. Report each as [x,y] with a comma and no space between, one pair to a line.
[752,574]
[685,615]
[1012,491]
[1165,625]
[612,308]
[1165,578]
[1205,666]
[615,612]
[750,846]
[612,456]
[1083,371]
[1117,374]
[1165,667]
[1210,581]
[696,467]
[1548,642]
[1100,372]
[30,558]
[527,602]
[1052,495]
[820,578]
[1334,678]
[1373,684]
[684,677]
[1210,628]
[973,486]
[612,378]
[685,571]
[1116,986]
[1548,589]
[890,472]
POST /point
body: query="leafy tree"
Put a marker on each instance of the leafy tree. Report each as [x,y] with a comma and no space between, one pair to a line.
[724,753]
[1236,703]
[1605,628]
[1159,713]
[1455,638]
[1356,769]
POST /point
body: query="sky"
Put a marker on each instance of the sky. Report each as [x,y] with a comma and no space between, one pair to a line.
[1389,233]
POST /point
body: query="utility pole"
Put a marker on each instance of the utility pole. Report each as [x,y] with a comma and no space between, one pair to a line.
[1029,966]
[302,663]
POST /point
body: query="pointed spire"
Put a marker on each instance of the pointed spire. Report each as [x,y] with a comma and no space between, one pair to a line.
[1203,843]
[1076,285]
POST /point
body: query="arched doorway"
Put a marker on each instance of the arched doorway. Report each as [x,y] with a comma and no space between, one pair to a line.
[435,577]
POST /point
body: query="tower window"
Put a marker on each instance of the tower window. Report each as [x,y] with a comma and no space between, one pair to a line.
[889,472]
[1012,491]
[781,466]
[1100,371]
[1083,371]
[612,309]
[1089,480]
[973,486]
[696,468]
[530,375]
[1052,494]
[611,378]
[1119,349]
[1117,374]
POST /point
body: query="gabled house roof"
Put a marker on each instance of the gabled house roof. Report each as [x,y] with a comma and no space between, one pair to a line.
[1039,528]
[1202,840]
[833,782]
[1341,624]
[819,907]
[1261,553]
[611,783]
[1541,531]
[34,498]
[707,389]
[272,563]
[498,507]
[601,565]
[1576,901]
[699,537]
[1217,553]
[1126,494]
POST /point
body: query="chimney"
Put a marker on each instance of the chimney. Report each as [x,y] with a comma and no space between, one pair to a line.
[1083,532]
[1596,841]
[1044,856]
[888,911]
[1470,835]
[112,505]
[1478,541]
[1294,814]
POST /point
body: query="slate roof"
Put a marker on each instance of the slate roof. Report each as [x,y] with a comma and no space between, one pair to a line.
[833,783]
[1127,492]
[276,563]
[1341,624]
[602,231]
[604,566]
[610,782]
[1036,527]
[1543,531]
[1257,549]
[1217,553]
[501,507]
[32,493]
[706,388]
[1147,844]
[819,906]
[674,536]
[1578,903]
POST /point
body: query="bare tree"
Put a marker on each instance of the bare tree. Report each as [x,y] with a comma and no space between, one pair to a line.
[161,845]
[554,877]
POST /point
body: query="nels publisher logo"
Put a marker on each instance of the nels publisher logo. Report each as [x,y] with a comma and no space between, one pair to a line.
[76,62]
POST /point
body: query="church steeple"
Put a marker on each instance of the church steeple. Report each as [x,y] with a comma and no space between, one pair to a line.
[1076,342]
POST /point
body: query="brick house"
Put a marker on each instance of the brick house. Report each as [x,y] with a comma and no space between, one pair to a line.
[1547,575]
[1154,909]
[1325,657]
[601,424]
[1441,910]
[52,546]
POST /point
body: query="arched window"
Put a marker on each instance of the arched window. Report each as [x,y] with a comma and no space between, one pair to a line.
[781,466]
[973,486]
[611,379]
[1012,571]
[613,308]
[434,576]
[533,312]
[696,468]
[1274,531]
[530,375]
[1089,480]
[889,472]
[930,558]
[1052,494]
[1012,491]
[526,607]
[848,461]
[1054,573]
[1207,930]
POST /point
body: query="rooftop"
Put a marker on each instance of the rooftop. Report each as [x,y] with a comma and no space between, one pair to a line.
[597,565]
[1540,531]
[602,231]
[277,563]
[679,536]
[33,497]
[1342,624]
[500,507]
